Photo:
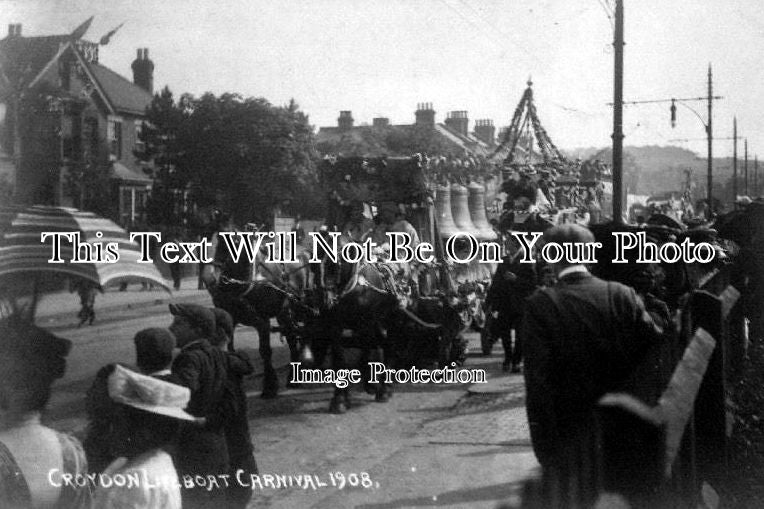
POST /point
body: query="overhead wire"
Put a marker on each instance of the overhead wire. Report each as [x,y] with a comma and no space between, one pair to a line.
[474,25]
[609,13]
[498,31]
[481,29]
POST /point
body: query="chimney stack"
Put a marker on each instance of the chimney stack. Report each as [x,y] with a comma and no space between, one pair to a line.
[345,121]
[485,131]
[143,71]
[458,121]
[14,30]
[380,122]
[425,115]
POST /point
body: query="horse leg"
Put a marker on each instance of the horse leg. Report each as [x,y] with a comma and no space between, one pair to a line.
[341,400]
[517,349]
[445,344]
[385,391]
[368,387]
[506,343]
[270,380]
[288,330]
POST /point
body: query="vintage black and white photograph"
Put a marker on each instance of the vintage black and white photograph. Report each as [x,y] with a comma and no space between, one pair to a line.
[381,254]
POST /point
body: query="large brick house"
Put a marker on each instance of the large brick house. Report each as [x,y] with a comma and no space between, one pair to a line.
[64,115]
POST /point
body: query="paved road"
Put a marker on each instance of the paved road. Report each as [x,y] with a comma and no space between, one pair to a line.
[431,445]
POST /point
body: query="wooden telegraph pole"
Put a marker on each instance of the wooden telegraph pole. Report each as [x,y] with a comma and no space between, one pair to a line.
[745,167]
[618,44]
[710,133]
[756,176]
[734,161]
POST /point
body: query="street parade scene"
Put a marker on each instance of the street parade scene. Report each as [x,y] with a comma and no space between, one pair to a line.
[254,254]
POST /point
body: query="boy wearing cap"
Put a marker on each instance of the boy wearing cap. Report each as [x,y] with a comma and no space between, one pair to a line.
[153,353]
[233,411]
[202,368]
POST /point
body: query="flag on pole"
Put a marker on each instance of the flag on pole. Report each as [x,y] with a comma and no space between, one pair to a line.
[106,38]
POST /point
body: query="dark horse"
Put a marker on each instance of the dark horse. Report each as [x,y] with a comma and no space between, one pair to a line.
[276,295]
[358,297]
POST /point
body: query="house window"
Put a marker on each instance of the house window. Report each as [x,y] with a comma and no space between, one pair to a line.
[140,146]
[114,135]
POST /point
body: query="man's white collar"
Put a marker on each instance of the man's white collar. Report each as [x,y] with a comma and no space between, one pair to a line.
[572,270]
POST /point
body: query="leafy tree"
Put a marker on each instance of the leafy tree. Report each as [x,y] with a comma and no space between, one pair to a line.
[163,145]
[239,154]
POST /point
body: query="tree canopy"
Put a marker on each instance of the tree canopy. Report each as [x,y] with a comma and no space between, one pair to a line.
[240,154]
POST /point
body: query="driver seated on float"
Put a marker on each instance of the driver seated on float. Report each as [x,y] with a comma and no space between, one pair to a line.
[389,220]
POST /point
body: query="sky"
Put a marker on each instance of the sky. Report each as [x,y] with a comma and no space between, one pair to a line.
[381,58]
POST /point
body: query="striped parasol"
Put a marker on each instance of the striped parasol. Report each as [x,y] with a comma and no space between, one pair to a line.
[23,254]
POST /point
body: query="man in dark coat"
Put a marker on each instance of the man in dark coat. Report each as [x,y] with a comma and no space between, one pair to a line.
[202,368]
[512,284]
[233,412]
[583,338]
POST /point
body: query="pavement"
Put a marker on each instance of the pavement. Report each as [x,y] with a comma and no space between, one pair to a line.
[60,309]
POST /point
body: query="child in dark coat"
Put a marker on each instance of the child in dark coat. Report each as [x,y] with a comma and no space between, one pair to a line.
[233,412]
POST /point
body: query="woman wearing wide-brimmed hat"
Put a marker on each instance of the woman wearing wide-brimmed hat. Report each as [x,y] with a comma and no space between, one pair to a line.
[153,410]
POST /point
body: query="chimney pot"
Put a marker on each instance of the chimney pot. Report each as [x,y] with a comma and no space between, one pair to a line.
[345,122]
[424,115]
[143,70]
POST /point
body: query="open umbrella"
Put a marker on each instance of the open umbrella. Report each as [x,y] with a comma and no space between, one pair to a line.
[24,255]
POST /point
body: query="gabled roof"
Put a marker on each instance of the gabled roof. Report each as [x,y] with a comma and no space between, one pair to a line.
[124,95]
[467,143]
[24,59]
[358,141]
[371,141]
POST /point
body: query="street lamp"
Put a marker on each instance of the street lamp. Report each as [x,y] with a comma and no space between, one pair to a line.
[706,124]
[709,133]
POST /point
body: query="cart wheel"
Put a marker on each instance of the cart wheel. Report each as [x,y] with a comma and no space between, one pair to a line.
[486,340]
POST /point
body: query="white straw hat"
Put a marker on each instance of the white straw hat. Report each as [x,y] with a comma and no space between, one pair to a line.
[149,394]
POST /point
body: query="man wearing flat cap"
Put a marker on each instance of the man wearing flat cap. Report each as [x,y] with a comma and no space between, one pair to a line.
[202,368]
[583,337]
